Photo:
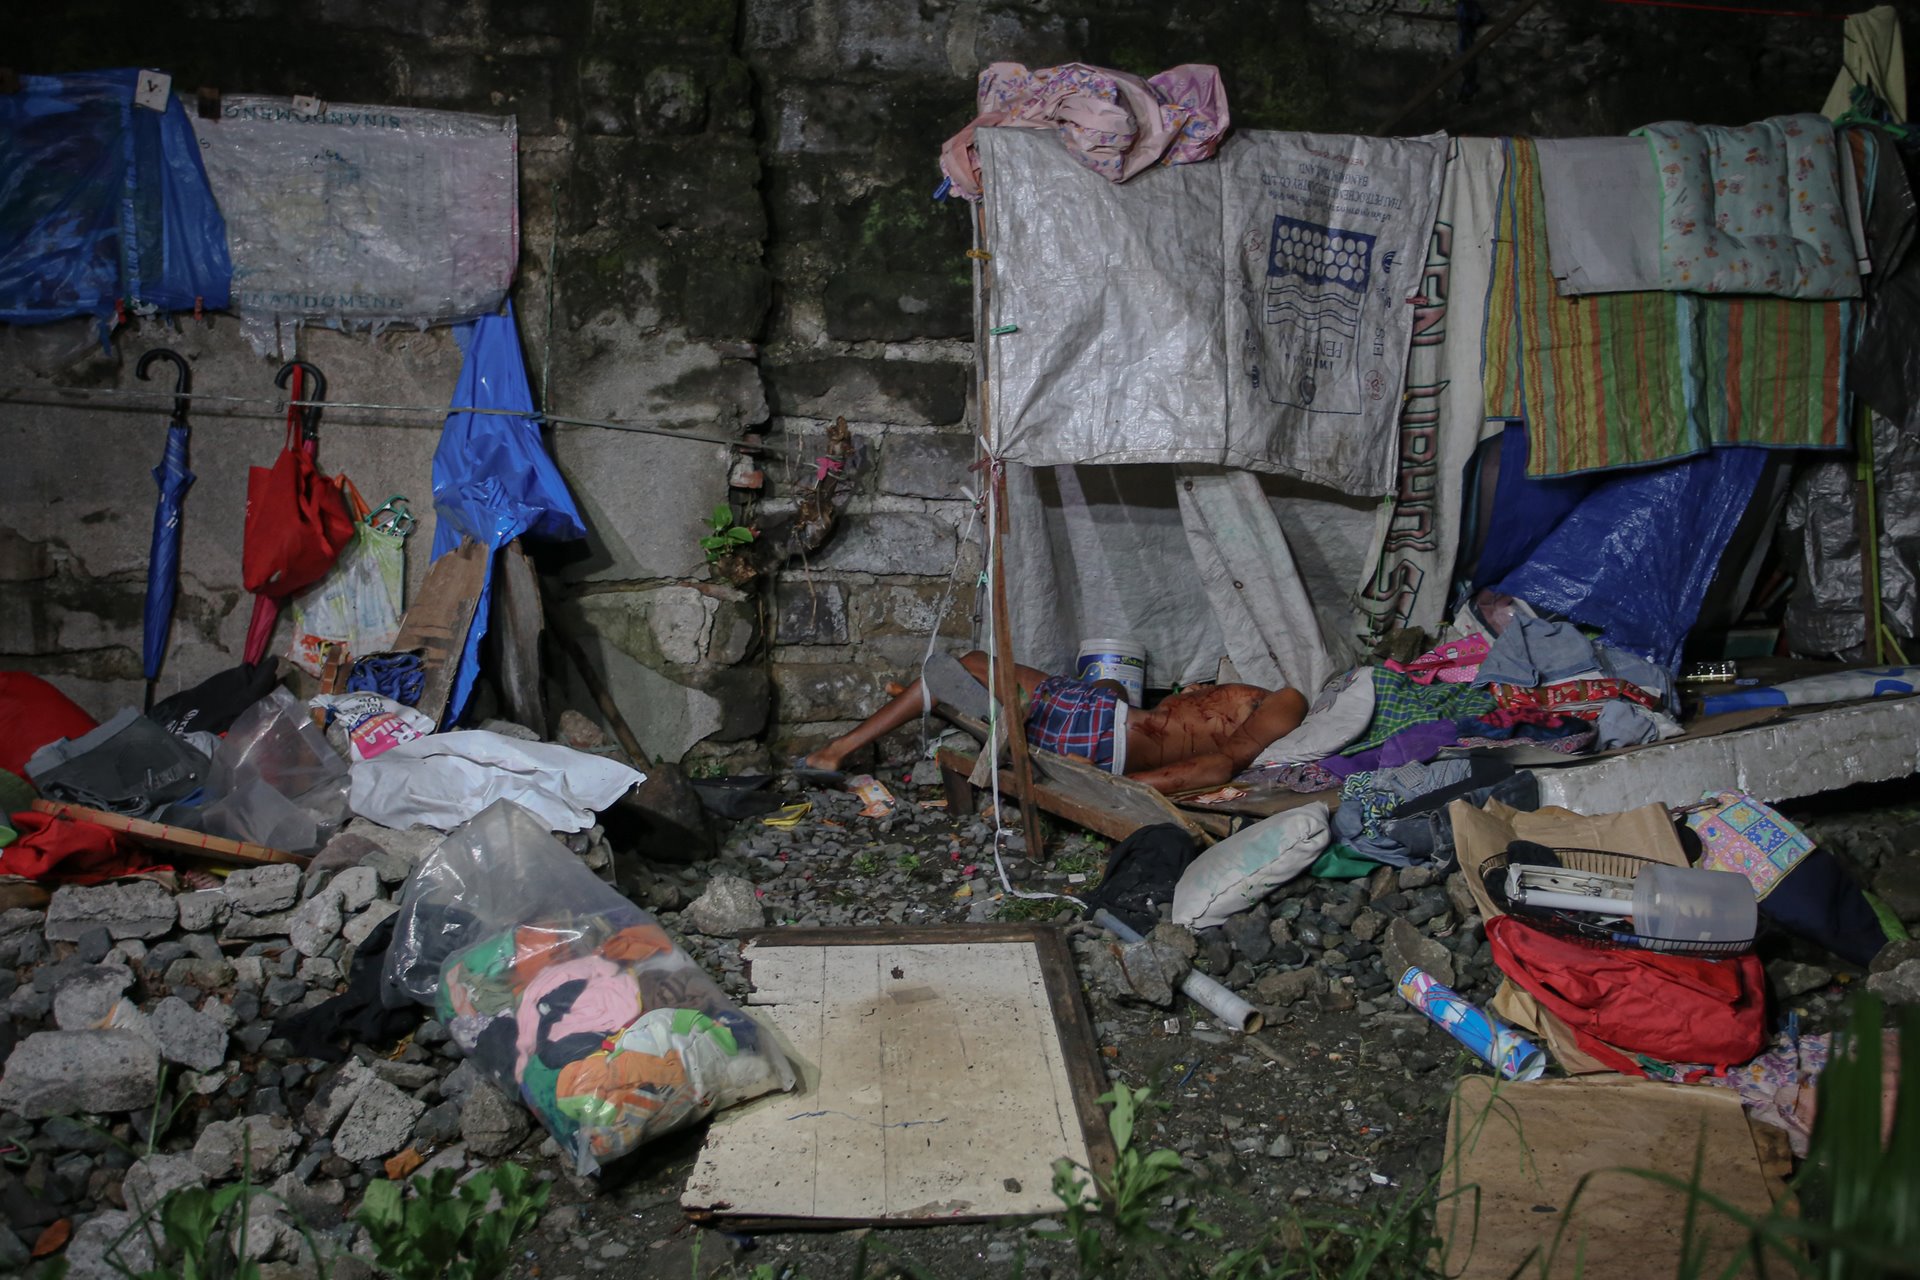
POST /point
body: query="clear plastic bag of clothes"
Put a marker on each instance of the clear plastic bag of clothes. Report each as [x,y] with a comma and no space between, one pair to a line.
[275,780]
[567,995]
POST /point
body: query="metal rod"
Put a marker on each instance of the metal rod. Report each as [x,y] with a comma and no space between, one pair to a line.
[1447,72]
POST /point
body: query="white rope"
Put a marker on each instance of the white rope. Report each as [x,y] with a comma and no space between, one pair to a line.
[105,397]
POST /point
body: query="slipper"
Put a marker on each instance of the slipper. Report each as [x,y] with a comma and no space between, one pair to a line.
[799,769]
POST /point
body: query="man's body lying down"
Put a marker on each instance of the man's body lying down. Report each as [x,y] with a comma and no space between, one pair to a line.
[1197,738]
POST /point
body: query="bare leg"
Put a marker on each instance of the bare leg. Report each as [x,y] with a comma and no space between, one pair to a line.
[901,711]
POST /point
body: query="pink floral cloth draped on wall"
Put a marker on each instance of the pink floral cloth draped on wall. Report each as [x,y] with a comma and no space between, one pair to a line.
[1114,123]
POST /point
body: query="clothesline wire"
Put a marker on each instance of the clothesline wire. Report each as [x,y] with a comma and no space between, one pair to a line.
[1729,8]
[103,398]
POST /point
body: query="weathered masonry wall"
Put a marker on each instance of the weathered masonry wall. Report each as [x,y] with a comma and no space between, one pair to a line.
[728,204]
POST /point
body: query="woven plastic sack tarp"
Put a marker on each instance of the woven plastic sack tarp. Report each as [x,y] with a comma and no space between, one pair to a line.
[568,996]
[1245,312]
[363,215]
[103,202]
[1636,555]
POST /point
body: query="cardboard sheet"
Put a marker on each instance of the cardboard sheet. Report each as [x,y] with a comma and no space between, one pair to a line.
[1517,1156]
[937,1083]
[1479,834]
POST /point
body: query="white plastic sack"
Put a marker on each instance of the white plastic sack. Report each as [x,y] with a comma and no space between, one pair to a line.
[443,780]
[1337,718]
[1248,865]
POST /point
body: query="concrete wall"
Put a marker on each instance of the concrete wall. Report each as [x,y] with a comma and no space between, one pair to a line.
[729,204]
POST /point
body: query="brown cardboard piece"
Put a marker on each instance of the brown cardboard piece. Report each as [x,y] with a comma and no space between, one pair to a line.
[1481,833]
[439,619]
[1517,1153]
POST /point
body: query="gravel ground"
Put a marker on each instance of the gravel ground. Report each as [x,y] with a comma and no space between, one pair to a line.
[1349,1118]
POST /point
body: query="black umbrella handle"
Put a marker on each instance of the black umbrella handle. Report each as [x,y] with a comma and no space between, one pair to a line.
[313,386]
[182,378]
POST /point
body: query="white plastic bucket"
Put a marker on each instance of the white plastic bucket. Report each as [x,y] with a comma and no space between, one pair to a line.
[1119,660]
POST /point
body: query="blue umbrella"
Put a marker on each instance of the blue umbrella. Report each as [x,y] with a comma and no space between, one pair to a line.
[163,558]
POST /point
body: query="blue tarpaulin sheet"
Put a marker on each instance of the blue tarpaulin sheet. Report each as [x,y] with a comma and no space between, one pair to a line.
[102,202]
[493,479]
[1636,554]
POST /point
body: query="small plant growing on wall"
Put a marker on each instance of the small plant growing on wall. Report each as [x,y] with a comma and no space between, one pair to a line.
[726,536]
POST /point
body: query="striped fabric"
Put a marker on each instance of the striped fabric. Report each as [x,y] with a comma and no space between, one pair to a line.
[1775,369]
[1626,379]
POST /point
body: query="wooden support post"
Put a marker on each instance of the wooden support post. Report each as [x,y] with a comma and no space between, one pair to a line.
[1003,690]
[959,791]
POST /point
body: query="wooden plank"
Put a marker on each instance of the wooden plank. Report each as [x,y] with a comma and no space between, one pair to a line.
[1265,802]
[1081,1046]
[175,840]
[958,790]
[1090,797]
[946,1068]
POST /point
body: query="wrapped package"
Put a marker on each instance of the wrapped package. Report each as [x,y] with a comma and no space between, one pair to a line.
[567,995]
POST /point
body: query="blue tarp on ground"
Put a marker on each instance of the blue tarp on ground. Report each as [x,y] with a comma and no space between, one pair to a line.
[103,201]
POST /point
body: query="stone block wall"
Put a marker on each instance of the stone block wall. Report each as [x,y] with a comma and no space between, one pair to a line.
[726,206]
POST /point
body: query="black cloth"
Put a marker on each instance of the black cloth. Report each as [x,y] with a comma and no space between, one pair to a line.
[1423,826]
[1884,367]
[357,1015]
[1141,873]
[216,702]
[128,765]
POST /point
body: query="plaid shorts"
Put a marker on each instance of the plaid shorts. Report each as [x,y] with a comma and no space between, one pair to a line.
[1072,718]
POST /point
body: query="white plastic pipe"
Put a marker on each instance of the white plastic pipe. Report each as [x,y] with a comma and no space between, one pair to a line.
[1202,990]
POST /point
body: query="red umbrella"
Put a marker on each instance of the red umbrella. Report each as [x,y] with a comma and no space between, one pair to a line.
[297,522]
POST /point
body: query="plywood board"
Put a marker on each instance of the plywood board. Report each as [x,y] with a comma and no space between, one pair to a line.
[940,1081]
[1518,1153]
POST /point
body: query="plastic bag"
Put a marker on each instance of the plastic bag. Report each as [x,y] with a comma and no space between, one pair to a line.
[358,605]
[274,781]
[103,202]
[567,995]
[370,723]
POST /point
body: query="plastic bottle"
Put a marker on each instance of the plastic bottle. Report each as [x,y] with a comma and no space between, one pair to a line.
[1690,906]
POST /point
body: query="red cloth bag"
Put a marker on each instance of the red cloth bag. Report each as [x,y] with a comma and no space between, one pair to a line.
[32,714]
[297,524]
[1620,1002]
[67,850]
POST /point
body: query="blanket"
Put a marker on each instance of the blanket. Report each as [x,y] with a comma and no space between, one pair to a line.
[1625,379]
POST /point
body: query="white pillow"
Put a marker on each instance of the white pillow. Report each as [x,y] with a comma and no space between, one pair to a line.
[1336,719]
[1248,865]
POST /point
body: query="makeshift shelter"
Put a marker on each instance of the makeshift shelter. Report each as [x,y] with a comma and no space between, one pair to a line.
[1231,421]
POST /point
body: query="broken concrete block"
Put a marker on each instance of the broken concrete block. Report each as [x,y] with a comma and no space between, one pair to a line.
[379,1122]
[1405,946]
[260,890]
[86,997]
[187,1036]
[64,1073]
[140,909]
[728,908]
